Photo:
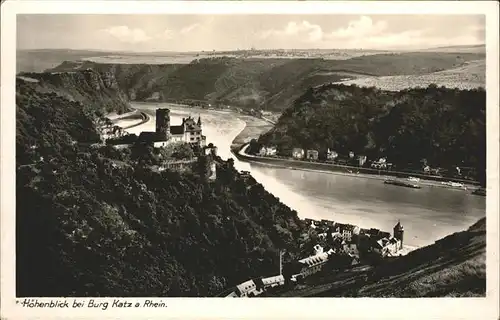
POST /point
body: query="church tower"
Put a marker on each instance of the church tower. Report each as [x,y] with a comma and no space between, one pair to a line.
[399,232]
[163,123]
[199,121]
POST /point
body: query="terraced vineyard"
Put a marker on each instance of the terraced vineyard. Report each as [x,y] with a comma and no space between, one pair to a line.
[469,76]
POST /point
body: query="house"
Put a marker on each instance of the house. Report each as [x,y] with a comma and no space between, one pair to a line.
[384,234]
[351,249]
[327,223]
[308,221]
[377,234]
[271,282]
[248,289]
[331,155]
[381,164]
[387,246]
[268,151]
[318,249]
[312,155]
[390,245]
[373,232]
[271,151]
[298,153]
[311,265]
[336,235]
[361,160]
[429,170]
[232,295]
[346,230]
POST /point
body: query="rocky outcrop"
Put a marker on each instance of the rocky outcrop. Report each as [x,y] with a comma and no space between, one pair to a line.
[99,89]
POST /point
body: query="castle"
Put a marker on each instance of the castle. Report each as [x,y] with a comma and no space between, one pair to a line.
[189,131]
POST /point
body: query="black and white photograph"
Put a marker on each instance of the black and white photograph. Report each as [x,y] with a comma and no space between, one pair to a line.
[251,155]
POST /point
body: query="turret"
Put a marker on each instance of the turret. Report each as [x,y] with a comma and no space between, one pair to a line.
[399,232]
[163,123]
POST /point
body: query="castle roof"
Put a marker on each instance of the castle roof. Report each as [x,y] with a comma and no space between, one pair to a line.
[150,137]
[398,226]
[177,129]
[191,126]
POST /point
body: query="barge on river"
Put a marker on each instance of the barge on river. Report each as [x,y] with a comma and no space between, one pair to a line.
[402,184]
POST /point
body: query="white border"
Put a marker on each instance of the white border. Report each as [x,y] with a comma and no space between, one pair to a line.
[287,308]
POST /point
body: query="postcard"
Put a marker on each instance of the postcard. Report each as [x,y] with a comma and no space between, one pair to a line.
[249,159]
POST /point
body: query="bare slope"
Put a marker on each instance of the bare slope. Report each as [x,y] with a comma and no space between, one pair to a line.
[468,76]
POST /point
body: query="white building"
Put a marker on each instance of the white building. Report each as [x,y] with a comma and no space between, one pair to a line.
[248,289]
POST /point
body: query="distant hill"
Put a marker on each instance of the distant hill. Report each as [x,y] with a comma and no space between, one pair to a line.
[479,48]
[270,83]
[42,59]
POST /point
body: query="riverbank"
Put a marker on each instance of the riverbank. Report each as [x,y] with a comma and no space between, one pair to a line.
[144,118]
[351,171]
[254,127]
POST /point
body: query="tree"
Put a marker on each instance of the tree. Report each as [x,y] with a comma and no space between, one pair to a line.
[183,151]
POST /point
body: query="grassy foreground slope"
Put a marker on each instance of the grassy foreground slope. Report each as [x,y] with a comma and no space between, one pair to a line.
[270,83]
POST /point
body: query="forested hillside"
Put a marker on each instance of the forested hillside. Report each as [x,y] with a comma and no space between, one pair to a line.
[90,222]
[270,83]
[444,126]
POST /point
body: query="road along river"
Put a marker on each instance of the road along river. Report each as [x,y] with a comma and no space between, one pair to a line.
[427,214]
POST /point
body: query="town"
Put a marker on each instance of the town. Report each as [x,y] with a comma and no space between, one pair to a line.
[338,247]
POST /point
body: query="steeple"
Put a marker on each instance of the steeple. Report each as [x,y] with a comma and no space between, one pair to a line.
[199,120]
[398,226]
[399,232]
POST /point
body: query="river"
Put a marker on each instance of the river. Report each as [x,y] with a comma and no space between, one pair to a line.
[427,214]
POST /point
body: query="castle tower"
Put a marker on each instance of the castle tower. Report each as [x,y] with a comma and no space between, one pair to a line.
[399,232]
[163,123]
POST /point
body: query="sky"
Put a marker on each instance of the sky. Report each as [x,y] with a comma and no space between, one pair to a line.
[149,33]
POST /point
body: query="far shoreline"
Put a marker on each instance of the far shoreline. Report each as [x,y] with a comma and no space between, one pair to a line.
[332,169]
